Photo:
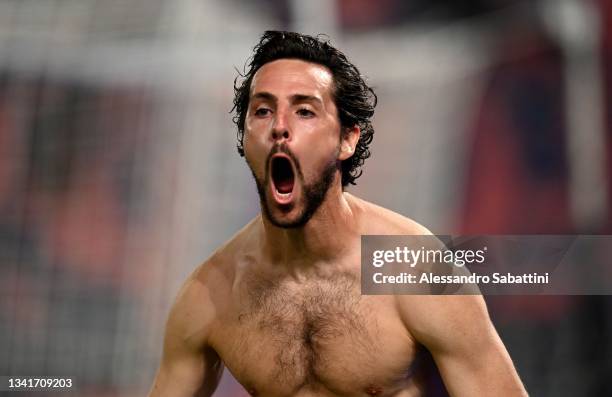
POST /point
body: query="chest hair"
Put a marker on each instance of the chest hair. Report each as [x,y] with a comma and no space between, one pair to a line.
[303,322]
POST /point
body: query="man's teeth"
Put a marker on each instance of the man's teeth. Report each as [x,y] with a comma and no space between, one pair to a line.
[283,195]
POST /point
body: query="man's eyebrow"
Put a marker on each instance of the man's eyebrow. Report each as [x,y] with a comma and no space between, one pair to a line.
[306,98]
[265,95]
[294,98]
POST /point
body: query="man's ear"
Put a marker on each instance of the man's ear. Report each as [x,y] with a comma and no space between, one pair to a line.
[348,142]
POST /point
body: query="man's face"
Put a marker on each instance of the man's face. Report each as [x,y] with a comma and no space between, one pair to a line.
[292,139]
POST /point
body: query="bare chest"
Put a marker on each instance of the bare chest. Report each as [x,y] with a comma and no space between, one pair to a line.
[319,337]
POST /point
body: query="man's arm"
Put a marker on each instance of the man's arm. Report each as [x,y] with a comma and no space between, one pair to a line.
[464,344]
[189,367]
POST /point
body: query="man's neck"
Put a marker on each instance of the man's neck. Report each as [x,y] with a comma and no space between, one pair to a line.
[324,237]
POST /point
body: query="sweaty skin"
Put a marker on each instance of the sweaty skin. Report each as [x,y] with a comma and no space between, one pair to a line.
[281,308]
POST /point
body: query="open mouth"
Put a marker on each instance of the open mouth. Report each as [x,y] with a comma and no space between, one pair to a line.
[283,178]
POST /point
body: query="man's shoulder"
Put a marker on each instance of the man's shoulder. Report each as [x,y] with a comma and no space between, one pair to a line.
[207,290]
[220,268]
[377,220]
[423,314]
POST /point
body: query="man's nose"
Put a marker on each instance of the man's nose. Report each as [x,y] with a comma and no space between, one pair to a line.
[280,128]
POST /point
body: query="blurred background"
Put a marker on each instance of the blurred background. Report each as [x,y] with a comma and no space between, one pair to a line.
[119,173]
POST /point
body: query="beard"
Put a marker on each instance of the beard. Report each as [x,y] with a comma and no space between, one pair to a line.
[313,194]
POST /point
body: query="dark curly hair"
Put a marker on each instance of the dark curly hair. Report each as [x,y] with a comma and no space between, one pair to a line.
[354,99]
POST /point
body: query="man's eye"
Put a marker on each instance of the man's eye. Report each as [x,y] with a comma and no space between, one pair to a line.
[305,112]
[262,112]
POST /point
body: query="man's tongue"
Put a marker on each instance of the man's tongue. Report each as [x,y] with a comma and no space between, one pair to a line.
[284,186]
[282,175]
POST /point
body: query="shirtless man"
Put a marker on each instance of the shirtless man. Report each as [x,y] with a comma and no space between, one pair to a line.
[279,305]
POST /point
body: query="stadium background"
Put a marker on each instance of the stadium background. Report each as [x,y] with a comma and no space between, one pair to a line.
[119,174]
